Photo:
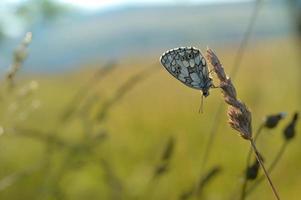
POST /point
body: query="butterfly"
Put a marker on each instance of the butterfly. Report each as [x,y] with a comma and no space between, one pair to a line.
[188,65]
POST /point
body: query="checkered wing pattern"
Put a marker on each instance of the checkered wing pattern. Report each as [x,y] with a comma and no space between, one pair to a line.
[188,65]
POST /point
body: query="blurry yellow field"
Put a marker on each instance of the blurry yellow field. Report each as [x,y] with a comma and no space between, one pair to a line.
[139,124]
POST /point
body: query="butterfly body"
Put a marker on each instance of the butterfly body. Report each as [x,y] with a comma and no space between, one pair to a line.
[188,65]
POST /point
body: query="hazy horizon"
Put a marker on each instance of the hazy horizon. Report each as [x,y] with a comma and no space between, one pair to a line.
[123,33]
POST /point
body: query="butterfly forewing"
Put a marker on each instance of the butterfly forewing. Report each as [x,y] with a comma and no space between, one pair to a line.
[188,66]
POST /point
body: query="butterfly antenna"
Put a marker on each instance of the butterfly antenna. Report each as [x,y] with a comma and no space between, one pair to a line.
[201,106]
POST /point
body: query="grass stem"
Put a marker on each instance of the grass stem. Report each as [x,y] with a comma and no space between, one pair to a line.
[264,169]
[244,185]
[270,169]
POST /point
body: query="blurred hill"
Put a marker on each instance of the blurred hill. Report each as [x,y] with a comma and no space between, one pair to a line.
[79,38]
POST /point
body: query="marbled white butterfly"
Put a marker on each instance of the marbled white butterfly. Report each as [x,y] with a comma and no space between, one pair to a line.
[188,65]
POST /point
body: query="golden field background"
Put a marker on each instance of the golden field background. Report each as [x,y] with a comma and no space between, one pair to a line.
[46,156]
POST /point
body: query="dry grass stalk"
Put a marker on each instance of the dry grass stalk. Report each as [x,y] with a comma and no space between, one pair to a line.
[19,57]
[270,122]
[163,166]
[122,91]
[241,51]
[85,89]
[289,134]
[239,115]
[197,189]
[206,178]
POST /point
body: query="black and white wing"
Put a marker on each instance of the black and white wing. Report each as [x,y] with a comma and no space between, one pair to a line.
[187,65]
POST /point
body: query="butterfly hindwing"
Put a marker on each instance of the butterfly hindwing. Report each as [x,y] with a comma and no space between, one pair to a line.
[187,65]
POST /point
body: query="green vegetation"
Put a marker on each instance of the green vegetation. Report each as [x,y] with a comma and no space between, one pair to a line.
[108,142]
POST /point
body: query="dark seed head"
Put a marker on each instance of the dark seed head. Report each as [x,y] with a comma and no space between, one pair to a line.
[272,121]
[252,171]
[289,131]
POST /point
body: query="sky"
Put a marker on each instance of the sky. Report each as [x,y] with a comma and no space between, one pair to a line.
[14,26]
[103,4]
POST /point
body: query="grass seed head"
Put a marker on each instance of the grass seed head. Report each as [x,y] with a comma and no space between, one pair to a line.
[289,131]
[271,121]
[238,113]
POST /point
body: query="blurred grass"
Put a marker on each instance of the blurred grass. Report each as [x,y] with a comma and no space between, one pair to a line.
[139,125]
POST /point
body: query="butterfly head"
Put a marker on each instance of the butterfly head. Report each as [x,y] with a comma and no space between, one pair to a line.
[205,93]
[208,85]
